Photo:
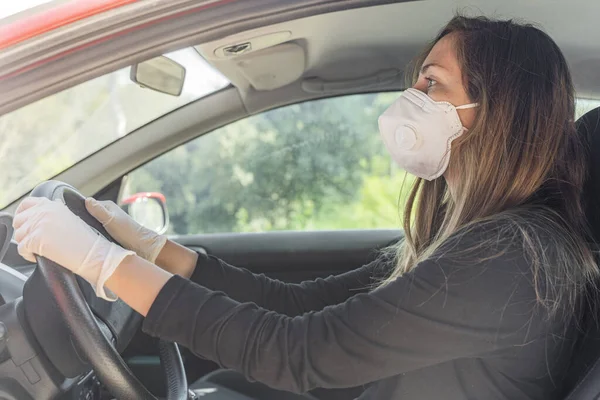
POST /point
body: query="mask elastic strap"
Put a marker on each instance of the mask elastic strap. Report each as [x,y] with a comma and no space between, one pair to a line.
[472,105]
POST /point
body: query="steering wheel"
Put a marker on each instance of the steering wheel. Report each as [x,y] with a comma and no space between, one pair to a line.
[95,340]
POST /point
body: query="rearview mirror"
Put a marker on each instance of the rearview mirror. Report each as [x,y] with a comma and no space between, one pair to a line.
[148,209]
[160,74]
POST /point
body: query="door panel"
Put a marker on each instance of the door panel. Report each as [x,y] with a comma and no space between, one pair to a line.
[295,256]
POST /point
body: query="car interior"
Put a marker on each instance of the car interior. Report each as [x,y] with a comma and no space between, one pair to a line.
[360,50]
[583,376]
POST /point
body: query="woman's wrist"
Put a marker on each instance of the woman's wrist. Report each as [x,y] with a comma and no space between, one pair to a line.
[177,259]
[137,282]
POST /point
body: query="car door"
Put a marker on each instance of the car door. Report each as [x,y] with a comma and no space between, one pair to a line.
[296,193]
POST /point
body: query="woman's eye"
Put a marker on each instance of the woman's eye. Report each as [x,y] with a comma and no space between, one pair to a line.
[430,83]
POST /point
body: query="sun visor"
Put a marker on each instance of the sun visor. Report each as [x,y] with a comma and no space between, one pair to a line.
[273,67]
[261,60]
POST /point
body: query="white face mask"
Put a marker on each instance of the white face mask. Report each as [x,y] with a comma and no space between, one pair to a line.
[417,132]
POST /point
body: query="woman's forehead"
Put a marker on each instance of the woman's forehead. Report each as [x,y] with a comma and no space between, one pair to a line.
[443,54]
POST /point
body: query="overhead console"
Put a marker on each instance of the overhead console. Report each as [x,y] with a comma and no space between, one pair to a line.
[314,54]
[263,62]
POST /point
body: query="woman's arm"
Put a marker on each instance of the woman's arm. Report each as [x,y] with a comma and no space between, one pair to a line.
[137,282]
[238,283]
[438,312]
[244,286]
[177,259]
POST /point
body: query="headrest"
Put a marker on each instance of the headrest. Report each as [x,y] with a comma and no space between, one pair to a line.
[589,127]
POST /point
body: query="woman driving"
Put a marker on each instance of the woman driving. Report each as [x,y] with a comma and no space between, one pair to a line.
[479,301]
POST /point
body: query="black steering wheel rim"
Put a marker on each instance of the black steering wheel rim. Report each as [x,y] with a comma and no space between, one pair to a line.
[95,344]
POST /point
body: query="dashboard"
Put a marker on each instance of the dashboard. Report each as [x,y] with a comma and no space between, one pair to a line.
[11,284]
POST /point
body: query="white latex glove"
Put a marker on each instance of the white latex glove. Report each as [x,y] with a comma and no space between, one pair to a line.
[49,229]
[131,235]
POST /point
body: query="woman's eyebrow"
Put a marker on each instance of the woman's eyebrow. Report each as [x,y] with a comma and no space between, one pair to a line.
[425,67]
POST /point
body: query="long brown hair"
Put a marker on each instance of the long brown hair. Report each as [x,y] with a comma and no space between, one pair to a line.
[521,156]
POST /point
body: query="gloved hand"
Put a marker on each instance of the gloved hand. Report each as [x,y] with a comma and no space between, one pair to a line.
[131,235]
[49,229]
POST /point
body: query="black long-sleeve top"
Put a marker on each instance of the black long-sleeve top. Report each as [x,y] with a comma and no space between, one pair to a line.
[460,326]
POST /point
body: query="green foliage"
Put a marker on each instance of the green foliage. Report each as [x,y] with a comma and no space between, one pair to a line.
[316,165]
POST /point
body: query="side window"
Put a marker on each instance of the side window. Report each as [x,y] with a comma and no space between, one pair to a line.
[318,165]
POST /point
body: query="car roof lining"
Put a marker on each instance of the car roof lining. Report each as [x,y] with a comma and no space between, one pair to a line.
[358,43]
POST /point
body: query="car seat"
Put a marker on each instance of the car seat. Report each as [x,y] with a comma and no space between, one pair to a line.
[583,377]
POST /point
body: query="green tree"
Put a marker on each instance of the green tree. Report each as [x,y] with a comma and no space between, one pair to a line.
[318,164]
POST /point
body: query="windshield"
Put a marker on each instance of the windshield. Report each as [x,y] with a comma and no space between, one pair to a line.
[47,137]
